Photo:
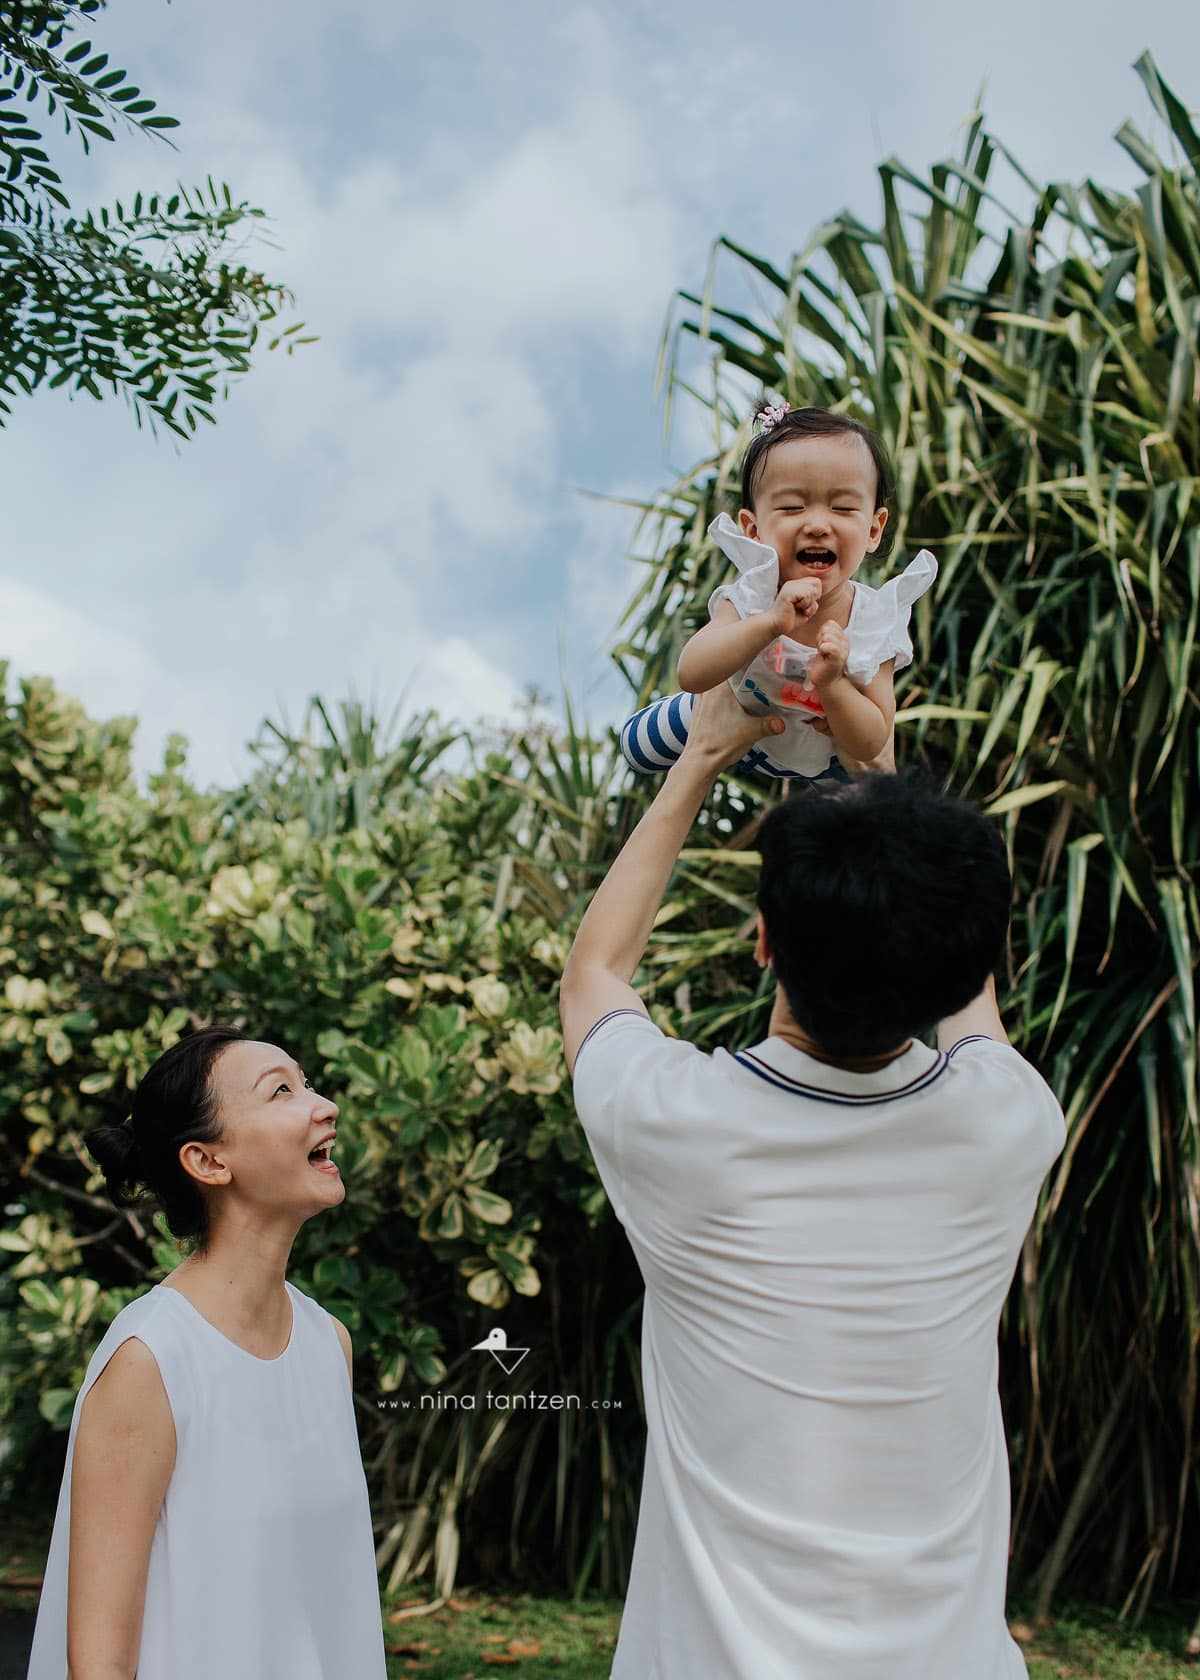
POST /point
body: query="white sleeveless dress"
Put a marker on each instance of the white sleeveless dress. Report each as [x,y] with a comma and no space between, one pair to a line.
[262,1565]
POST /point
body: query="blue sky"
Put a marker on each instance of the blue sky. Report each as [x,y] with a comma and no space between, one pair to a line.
[484,209]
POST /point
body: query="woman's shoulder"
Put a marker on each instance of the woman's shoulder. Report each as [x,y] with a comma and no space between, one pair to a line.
[154,1319]
[148,1321]
[149,1308]
[311,1309]
[320,1318]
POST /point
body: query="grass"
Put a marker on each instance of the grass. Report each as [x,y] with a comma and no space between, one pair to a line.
[477,1634]
[1087,1642]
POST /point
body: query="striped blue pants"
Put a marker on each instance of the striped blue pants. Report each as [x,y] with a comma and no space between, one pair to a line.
[653,739]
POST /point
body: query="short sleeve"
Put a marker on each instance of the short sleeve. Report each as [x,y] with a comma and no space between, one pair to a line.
[629,1080]
[1041,1125]
[879,629]
[757,584]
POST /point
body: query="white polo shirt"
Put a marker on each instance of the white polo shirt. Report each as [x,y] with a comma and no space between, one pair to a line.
[826,1254]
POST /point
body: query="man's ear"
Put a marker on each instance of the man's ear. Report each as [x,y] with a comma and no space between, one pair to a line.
[762,950]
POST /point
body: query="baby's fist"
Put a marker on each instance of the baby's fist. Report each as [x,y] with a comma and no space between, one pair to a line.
[795,602]
[833,650]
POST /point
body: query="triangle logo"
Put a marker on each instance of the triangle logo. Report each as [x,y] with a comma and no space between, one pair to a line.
[496,1343]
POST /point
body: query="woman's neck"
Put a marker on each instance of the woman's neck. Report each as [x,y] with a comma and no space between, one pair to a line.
[237,1281]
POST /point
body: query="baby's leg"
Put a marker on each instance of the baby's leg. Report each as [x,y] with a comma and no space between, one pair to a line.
[654,737]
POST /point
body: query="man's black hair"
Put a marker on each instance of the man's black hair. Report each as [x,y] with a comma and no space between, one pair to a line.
[886,906]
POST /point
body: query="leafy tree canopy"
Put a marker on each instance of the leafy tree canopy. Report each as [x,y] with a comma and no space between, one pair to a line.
[148,298]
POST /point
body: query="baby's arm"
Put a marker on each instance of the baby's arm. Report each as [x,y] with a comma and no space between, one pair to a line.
[885,760]
[860,719]
[724,647]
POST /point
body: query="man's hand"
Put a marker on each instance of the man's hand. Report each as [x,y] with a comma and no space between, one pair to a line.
[795,602]
[721,732]
[833,650]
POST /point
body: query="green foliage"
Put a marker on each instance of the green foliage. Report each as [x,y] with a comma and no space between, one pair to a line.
[1034,376]
[394,905]
[149,298]
[412,965]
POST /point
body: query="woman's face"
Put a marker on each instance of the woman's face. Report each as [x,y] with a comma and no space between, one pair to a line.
[276,1136]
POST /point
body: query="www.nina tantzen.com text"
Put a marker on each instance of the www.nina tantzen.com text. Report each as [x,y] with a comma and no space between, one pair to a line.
[497,1402]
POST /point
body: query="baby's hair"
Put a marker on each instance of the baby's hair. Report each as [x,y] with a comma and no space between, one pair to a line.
[174,1104]
[806,423]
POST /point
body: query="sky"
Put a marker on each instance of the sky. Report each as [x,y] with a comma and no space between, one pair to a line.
[484,210]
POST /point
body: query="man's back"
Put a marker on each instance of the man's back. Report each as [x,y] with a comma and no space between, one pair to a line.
[826,1254]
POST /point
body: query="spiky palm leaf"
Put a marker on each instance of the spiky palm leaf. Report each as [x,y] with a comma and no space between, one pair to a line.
[1035,377]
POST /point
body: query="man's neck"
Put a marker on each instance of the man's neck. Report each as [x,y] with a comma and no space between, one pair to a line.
[783,1026]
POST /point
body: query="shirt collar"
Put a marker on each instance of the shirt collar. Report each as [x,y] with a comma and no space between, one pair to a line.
[787,1068]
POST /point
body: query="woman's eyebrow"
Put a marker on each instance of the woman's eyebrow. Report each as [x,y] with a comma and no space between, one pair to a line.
[266,1072]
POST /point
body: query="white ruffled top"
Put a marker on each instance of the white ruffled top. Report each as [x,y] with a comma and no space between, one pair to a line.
[776,680]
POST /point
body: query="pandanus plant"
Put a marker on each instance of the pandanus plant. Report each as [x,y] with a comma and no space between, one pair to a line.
[1035,375]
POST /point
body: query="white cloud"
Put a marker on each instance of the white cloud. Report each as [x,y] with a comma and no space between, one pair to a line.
[473,207]
[105,668]
[272,661]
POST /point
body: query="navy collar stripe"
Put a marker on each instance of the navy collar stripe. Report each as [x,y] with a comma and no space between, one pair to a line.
[972,1038]
[605,1019]
[784,1082]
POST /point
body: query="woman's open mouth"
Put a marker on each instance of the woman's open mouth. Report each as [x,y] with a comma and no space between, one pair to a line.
[321,1158]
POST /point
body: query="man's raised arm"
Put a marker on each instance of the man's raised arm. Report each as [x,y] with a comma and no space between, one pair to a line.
[613,933]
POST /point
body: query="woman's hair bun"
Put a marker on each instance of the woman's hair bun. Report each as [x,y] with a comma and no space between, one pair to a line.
[174,1104]
[116,1151]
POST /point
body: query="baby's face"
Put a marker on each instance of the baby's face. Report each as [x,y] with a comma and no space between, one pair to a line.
[815,506]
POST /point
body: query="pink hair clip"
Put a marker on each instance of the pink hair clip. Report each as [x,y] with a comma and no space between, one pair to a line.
[769,417]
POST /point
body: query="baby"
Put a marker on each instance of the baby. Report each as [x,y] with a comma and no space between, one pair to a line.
[794,635]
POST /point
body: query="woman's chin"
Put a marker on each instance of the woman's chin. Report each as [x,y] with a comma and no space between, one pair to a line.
[329,1194]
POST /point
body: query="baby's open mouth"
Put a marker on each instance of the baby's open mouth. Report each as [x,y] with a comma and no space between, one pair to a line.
[817,559]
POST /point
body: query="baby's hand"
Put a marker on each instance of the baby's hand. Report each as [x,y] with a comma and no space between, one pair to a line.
[795,602]
[833,650]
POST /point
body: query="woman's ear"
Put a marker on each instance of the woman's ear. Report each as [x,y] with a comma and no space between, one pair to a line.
[198,1161]
[762,951]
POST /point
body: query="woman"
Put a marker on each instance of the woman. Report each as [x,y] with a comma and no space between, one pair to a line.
[213,1519]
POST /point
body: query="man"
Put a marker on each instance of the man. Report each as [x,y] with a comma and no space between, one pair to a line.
[827,1225]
